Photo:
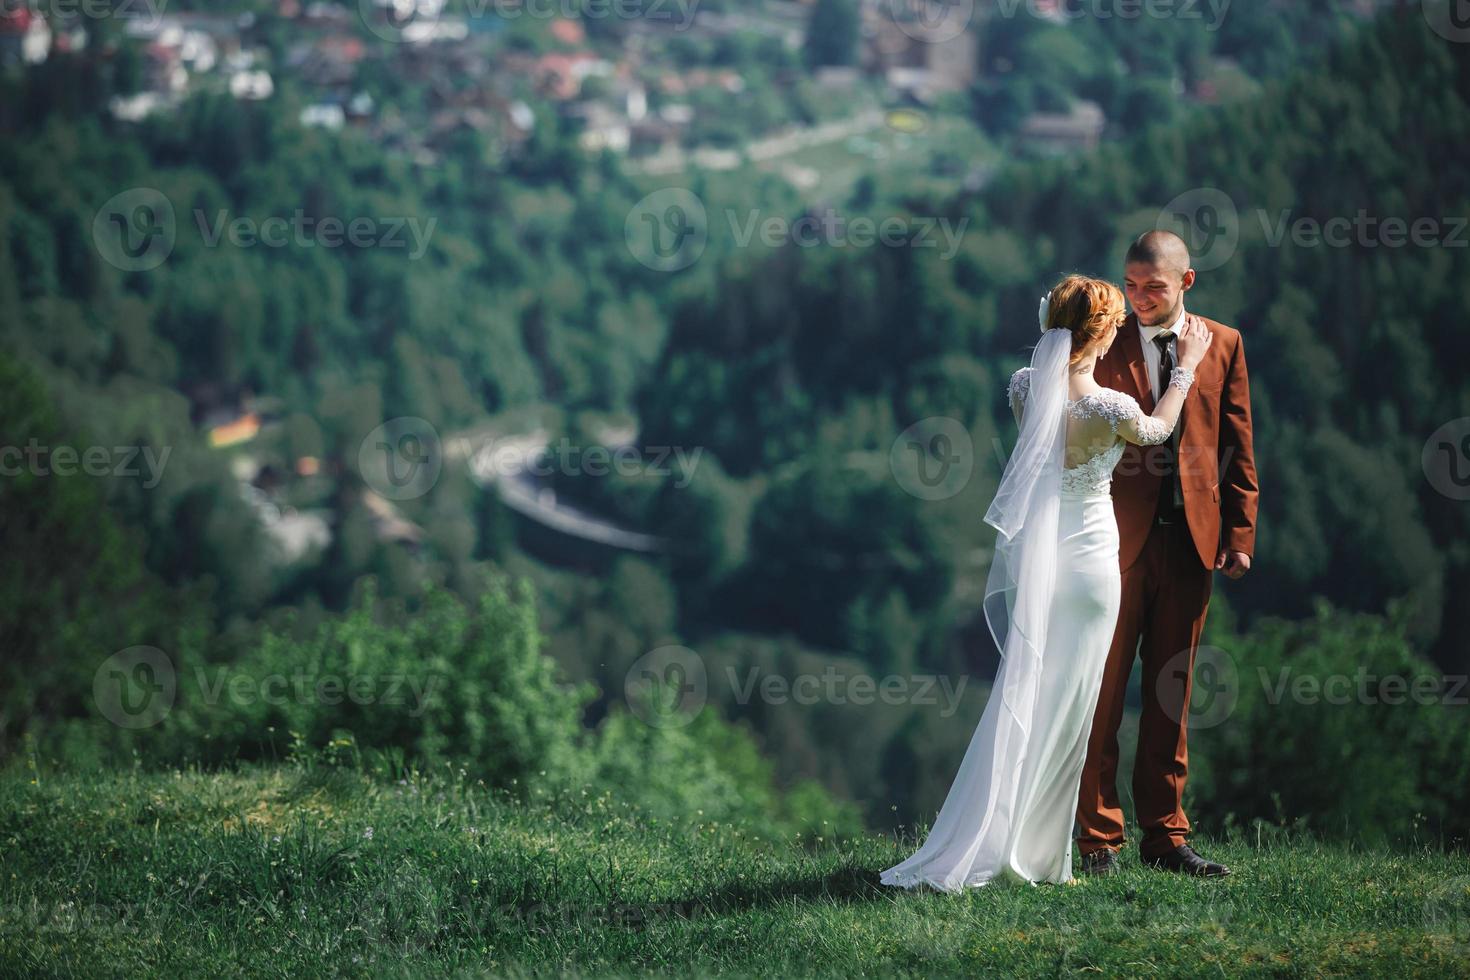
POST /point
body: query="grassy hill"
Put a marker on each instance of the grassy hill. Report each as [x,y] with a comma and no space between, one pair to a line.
[305,871]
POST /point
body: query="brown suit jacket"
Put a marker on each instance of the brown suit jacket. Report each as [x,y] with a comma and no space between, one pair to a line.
[1217,466]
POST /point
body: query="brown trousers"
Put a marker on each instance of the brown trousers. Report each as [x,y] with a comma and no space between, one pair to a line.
[1166,594]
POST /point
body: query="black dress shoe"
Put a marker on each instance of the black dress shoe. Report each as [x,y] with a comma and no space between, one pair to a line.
[1100,862]
[1183,860]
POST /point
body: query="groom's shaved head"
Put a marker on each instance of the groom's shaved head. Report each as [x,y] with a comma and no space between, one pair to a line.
[1156,275]
[1160,249]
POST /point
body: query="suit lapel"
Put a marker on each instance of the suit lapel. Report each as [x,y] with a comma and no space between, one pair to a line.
[1131,348]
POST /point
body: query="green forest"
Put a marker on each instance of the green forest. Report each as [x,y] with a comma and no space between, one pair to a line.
[796,544]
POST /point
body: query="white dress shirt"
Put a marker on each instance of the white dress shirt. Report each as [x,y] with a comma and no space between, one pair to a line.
[1151,356]
[1153,361]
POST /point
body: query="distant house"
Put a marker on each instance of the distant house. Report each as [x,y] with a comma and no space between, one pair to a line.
[837,77]
[329,62]
[653,136]
[560,74]
[253,85]
[1065,132]
[324,115]
[568,32]
[603,127]
[140,105]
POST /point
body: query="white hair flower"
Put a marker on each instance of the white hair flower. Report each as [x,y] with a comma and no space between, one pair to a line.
[1041,311]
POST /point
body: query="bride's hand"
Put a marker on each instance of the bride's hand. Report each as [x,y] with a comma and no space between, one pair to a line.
[1194,340]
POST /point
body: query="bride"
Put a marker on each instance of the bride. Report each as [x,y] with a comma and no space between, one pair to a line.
[1051,600]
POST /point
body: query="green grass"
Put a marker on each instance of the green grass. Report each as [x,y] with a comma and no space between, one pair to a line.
[273,872]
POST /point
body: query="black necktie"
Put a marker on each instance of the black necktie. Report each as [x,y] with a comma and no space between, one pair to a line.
[1166,365]
[1169,495]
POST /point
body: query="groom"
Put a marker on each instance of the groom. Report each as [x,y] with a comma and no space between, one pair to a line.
[1185,509]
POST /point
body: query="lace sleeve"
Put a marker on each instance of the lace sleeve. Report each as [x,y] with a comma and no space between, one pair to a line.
[1018,389]
[1127,419]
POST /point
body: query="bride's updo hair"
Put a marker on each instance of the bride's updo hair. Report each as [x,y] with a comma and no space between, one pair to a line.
[1087,307]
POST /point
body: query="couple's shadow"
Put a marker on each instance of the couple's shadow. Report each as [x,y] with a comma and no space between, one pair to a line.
[846,885]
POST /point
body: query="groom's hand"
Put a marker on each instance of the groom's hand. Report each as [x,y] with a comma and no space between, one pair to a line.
[1233,563]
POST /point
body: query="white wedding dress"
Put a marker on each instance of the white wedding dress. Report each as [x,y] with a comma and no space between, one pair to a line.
[1010,810]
